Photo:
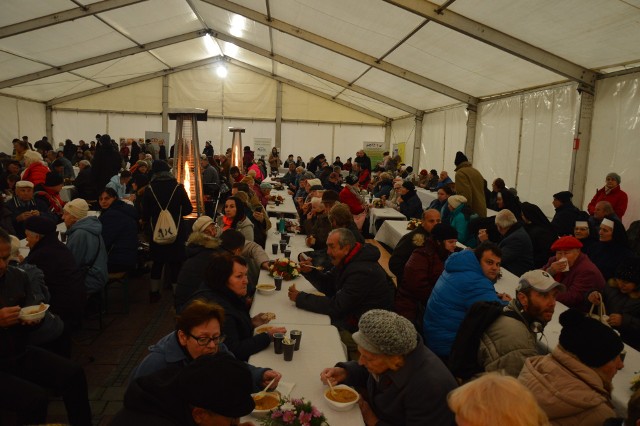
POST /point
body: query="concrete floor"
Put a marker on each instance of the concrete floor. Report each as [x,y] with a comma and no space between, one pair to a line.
[109,355]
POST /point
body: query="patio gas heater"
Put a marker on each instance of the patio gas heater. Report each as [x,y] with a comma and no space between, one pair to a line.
[186,155]
[236,147]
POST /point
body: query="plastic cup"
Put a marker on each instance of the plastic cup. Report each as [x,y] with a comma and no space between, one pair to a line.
[286,237]
[277,342]
[278,282]
[287,254]
[274,248]
[283,245]
[287,349]
[297,335]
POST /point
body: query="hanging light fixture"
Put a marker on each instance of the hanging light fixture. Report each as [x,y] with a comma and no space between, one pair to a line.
[221,70]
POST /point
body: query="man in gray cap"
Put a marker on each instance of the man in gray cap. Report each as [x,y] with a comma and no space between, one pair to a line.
[512,338]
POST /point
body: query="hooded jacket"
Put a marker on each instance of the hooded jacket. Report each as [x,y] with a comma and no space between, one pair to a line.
[115,184]
[200,248]
[461,285]
[120,234]
[421,272]
[355,286]
[470,184]
[61,275]
[36,173]
[459,220]
[411,206]
[508,342]
[517,250]
[84,240]
[571,393]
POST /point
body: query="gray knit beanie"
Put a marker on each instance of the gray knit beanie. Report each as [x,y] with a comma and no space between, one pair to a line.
[385,332]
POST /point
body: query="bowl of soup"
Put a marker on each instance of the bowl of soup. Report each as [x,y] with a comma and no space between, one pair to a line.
[266,288]
[265,402]
[33,313]
[343,398]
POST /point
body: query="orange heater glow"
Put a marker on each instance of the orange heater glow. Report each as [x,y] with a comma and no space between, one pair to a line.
[236,147]
[186,155]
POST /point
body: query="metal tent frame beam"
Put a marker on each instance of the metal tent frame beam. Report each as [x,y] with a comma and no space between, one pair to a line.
[314,72]
[344,50]
[101,58]
[64,16]
[308,89]
[498,40]
[204,62]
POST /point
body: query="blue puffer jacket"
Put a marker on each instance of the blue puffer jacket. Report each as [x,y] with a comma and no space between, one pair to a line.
[120,234]
[461,285]
[84,240]
[168,352]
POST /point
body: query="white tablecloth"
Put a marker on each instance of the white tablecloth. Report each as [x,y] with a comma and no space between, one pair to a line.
[68,193]
[320,348]
[287,207]
[391,231]
[383,213]
[426,196]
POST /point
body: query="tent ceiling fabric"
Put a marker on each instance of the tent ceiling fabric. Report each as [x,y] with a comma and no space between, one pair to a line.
[390,57]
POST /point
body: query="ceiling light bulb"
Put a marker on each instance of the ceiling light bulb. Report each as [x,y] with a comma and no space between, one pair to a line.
[221,71]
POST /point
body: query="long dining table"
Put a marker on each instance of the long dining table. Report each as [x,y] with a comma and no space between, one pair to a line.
[320,346]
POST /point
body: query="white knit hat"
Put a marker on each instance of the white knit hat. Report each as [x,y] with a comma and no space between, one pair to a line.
[77,208]
[202,223]
[456,200]
[385,332]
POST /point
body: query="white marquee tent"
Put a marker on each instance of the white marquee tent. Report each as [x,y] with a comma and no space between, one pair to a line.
[541,93]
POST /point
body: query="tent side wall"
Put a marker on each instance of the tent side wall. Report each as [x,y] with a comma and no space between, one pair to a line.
[615,136]
[20,118]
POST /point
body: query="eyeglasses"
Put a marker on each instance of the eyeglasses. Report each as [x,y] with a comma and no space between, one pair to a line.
[204,341]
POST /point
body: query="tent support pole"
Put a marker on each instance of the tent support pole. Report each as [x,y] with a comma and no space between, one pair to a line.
[279,116]
[417,141]
[470,141]
[580,155]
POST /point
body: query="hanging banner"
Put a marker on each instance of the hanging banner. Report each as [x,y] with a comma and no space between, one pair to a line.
[374,151]
[262,148]
[398,149]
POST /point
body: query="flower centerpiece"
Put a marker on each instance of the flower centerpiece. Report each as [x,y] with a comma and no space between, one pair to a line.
[285,268]
[378,203]
[413,224]
[295,412]
[277,198]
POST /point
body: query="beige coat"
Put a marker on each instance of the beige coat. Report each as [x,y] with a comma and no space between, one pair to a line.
[570,392]
[470,184]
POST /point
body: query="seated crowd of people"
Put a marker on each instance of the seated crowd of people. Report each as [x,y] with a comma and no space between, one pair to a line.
[437,346]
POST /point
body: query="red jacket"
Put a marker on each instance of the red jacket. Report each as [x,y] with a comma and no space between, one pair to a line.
[347,197]
[617,197]
[421,272]
[36,173]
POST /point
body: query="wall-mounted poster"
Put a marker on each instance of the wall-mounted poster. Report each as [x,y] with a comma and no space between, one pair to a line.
[374,151]
[262,148]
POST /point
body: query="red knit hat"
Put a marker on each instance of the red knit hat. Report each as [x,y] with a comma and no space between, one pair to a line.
[566,243]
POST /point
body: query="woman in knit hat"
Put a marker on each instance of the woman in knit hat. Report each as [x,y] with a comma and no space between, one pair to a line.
[422,270]
[406,383]
[573,383]
[460,216]
[622,301]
